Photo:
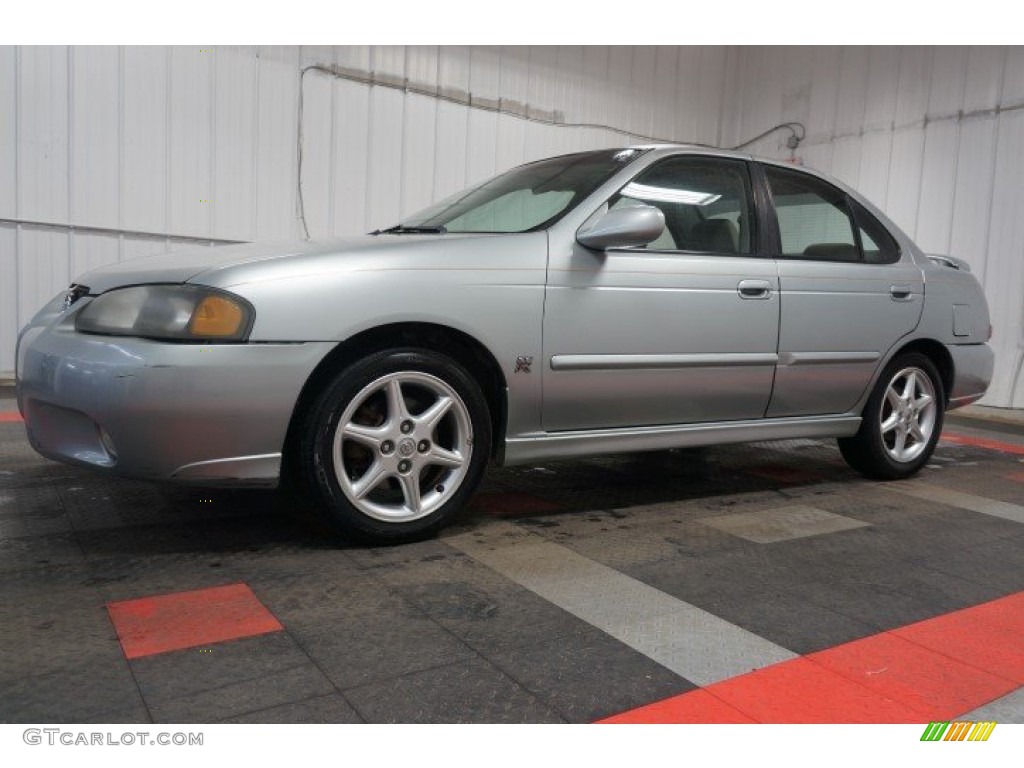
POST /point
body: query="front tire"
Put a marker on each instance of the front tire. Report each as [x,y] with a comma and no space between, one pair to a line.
[901,422]
[394,446]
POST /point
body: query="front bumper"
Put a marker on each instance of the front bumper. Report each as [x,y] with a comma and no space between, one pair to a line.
[972,373]
[140,408]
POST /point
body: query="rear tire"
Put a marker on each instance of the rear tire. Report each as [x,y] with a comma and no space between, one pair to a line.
[393,447]
[901,422]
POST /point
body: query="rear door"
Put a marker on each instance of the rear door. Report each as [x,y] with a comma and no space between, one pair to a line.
[847,294]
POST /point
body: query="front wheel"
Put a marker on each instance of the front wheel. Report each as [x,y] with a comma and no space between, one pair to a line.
[394,446]
[901,422]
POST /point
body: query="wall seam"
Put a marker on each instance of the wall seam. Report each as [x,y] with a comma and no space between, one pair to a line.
[18,245]
[168,93]
[956,156]
[120,150]
[254,216]
[332,151]
[70,105]
[924,146]
[211,221]
[992,184]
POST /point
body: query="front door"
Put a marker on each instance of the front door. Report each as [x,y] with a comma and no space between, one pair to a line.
[682,331]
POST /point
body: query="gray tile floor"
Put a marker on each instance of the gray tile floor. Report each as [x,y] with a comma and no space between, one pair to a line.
[780,542]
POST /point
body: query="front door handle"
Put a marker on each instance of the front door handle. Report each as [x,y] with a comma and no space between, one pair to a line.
[901,293]
[754,289]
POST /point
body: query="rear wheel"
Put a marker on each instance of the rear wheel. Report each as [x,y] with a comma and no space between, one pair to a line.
[394,446]
[901,422]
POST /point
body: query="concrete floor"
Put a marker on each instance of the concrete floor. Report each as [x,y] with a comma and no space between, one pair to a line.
[729,584]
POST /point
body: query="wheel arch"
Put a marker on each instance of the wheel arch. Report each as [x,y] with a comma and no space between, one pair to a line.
[936,352]
[465,349]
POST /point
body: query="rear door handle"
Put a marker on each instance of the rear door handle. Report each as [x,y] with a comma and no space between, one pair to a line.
[754,289]
[901,293]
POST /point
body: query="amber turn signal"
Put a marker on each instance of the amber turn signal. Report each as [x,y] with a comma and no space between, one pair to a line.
[216,316]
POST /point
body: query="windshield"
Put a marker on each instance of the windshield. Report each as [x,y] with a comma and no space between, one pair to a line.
[527,198]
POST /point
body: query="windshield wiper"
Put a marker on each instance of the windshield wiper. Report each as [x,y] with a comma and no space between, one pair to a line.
[408,229]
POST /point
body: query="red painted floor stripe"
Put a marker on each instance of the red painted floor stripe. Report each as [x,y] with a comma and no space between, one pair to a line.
[936,669]
[694,707]
[927,680]
[182,620]
[989,636]
[10,417]
[983,442]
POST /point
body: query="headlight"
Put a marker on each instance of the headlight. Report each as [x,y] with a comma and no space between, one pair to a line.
[172,312]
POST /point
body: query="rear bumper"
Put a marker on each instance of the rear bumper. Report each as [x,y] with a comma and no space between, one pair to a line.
[972,373]
[139,408]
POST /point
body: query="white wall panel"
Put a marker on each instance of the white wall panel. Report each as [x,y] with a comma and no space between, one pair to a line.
[881,88]
[851,105]
[352,137]
[984,77]
[385,60]
[235,124]
[947,80]
[572,84]
[642,89]
[452,124]
[620,85]
[875,156]
[318,92]
[91,250]
[482,138]
[821,119]
[43,129]
[1012,93]
[712,85]
[905,178]
[973,194]
[8,132]
[140,247]
[418,142]
[10,296]
[938,182]
[191,129]
[384,167]
[596,97]
[912,85]
[276,137]
[145,132]
[846,160]
[42,268]
[421,63]
[95,119]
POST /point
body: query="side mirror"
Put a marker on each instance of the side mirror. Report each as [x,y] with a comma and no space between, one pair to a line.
[623,228]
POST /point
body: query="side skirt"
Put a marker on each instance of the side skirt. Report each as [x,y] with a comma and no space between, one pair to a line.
[565,445]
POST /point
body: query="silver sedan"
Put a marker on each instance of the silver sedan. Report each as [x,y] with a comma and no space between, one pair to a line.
[616,300]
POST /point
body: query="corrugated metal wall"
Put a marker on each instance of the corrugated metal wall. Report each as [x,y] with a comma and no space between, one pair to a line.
[143,149]
[935,136]
[113,153]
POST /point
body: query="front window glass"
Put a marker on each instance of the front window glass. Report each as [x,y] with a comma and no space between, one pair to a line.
[706,202]
[527,198]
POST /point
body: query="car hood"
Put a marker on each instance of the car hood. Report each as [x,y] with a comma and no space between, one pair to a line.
[207,261]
